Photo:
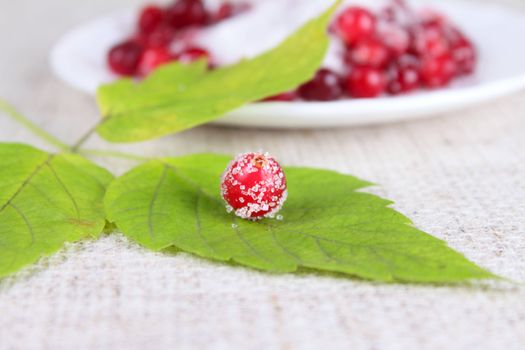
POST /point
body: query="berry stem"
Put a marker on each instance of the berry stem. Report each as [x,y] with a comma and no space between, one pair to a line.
[11,112]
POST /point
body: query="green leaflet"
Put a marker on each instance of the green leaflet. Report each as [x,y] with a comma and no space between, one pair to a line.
[45,201]
[177,97]
[328,224]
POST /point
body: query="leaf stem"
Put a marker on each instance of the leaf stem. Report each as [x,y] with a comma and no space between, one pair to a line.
[112,154]
[11,112]
[76,147]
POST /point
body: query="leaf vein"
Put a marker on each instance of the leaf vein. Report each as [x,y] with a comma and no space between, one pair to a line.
[66,190]
[153,201]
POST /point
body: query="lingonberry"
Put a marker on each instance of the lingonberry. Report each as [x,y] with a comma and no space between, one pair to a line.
[192,54]
[325,86]
[161,36]
[150,18]
[364,82]
[394,37]
[437,71]
[404,75]
[123,58]
[186,13]
[153,58]
[430,41]
[465,55]
[254,186]
[355,24]
[368,52]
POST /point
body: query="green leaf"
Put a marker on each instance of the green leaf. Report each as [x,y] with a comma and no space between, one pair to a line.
[45,201]
[177,97]
[328,224]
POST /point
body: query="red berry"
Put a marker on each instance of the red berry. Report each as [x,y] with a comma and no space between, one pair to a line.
[192,54]
[431,18]
[162,36]
[153,58]
[366,82]
[150,18]
[430,41]
[325,86]
[388,13]
[254,186]
[404,75]
[465,56]
[284,97]
[369,52]
[394,37]
[437,71]
[355,24]
[124,58]
[186,13]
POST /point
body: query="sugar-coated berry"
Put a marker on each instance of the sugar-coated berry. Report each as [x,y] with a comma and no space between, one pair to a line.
[325,86]
[153,58]
[355,24]
[124,58]
[150,18]
[159,37]
[186,13]
[430,41]
[395,37]
[368,52]
[254,186]
[366,82]
[404,75]
[465,56]
[437,72]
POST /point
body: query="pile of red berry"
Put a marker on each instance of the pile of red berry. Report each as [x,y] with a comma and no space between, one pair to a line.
[391,52]
[164,35]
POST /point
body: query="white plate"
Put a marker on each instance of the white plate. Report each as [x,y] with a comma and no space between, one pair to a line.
[79,60]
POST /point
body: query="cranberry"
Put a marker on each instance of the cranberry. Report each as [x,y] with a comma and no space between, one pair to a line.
[325,86]
[388,13]
[355,24]
[150,18]
[162,36]
[369,52]
[153,58]
[430,41]
[193,54]
[404,75]
[394,37]
[283,97]
[254,186]
[124,58]
[366,82]
[432,18]
[437,71]
[186,13]
[465,56]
